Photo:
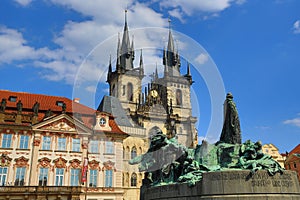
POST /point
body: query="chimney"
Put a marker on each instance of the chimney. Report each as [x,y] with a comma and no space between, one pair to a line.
[76,100]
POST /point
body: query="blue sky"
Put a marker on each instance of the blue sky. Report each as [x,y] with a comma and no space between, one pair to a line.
[254,44]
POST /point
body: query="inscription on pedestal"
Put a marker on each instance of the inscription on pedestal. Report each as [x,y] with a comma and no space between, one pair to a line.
[261,179]
[240,183]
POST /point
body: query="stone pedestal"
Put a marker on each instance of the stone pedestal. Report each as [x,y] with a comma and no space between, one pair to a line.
[232,185]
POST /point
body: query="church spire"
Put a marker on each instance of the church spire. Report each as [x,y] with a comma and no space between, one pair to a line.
[171,58]
[126,48]
[109,70]
[170,41]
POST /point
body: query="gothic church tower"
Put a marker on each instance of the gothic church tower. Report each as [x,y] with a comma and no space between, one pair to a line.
[165,103]
[125,81]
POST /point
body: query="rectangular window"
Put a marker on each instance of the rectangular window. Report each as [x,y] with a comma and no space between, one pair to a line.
[24,142]
[59,176]
[6,140]
[93,178]
[46,143]
[43,178]
[109,147]
[74,177]
[76,144]
[94,146]
[20,176]
[59,103]
[61,144]
[3,175]
[108,178]
[12,98]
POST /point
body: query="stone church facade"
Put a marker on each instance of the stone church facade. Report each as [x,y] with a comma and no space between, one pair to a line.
[164,104]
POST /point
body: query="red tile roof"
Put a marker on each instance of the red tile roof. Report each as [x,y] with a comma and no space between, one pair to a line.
[50,102]
[46,102]
[114,127]
[295,150]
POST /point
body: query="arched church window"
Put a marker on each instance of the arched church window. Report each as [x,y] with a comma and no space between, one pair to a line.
[178,97]
[133,152]
[129,92]
[133,180]
[123,90]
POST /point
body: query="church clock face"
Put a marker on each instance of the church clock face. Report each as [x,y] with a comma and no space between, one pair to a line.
[102,121]
[154,93]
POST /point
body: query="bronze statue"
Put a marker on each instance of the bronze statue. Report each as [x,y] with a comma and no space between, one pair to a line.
[168,162]
[231,132]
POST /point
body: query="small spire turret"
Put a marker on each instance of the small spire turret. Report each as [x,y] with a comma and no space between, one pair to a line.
[109,70]
[141,64]
[156,73]
[118,63]
[188,75]
[132,47]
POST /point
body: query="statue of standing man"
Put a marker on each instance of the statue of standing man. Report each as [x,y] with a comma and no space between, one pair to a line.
[3,105]
[19,107]
[231,132]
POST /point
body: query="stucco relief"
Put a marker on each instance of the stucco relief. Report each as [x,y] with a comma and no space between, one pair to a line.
[21,162]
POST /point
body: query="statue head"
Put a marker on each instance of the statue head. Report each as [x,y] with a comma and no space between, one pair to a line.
[154,131]
[229,95]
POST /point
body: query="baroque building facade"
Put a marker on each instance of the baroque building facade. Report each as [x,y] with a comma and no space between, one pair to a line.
[55,148]
[273,151]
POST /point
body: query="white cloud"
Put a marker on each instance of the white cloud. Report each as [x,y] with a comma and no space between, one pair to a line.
[176,13]
[296,27]
[23,2]
[263,127]
[200,139]
[91,89]
[201,58]
[77,40]
[295,122]
[195,6]
[13,47]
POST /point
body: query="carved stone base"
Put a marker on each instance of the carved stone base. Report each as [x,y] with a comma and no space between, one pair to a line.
[232,185]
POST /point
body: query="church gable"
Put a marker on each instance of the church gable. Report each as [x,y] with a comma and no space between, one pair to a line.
[61,123]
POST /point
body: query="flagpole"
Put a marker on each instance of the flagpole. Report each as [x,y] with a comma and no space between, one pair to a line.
[85,168]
